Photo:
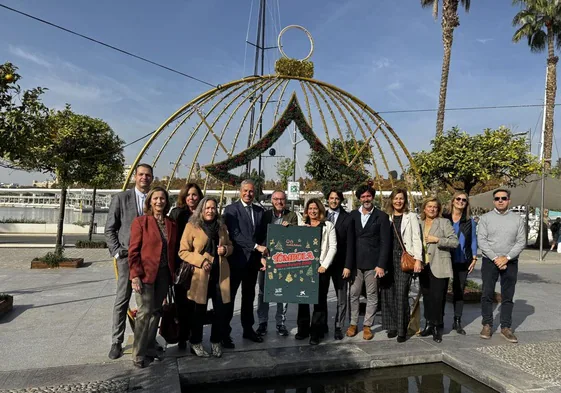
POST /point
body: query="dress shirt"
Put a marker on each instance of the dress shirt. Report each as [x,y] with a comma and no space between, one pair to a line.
[364,216]
[140,198]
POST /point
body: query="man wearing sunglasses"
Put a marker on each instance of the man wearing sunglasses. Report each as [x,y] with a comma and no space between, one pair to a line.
[501,237]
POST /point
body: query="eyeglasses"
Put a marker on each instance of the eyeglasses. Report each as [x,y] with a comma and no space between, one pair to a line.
[501,199]
[461,199]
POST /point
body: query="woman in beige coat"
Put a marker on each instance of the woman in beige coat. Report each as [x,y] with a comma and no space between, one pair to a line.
[205,244]
[439,239]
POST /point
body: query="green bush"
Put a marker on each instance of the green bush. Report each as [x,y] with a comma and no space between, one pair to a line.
[21,220]
[5,296]
[81,223]
[470,284]
[52,259]
[92,244]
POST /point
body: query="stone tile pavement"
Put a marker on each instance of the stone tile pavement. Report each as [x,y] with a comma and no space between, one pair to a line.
[62,322]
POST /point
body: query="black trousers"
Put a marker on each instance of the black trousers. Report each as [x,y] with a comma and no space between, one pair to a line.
[315,327]
[341,290]
[434,295]
[460,271]
[185,312]
[246,277]
[199,316]
[490,273]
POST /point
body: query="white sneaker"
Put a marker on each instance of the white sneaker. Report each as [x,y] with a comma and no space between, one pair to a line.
[200,350]
[216,350]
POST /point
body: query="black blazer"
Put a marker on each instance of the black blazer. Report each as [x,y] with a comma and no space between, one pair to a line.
[373,242]
[243,234]
[345,231]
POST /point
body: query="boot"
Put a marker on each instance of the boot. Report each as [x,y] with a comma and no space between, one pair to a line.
[457,326]
[429,329]
[437,335]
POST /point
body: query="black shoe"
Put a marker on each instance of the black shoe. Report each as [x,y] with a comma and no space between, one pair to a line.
[392,333]
[429,329]
[182,345]
[252,336]
[159,348]
[116,351]
[314,340]
[457,326]
[228,343]
[151,358]
[401,339]
[301,336]
[338,335]
[282,330]
[437,335]
[262,329]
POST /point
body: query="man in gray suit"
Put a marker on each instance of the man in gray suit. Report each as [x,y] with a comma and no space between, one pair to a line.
[125,207]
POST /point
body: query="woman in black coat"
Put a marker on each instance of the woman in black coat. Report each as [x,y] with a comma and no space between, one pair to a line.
[188,200]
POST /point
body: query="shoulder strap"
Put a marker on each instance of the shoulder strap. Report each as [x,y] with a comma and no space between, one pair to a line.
[398,237]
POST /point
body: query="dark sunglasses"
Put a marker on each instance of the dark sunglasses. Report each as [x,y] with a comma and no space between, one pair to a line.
[501,199]
[461,199]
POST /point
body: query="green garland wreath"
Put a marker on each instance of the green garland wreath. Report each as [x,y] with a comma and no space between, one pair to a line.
[293,112]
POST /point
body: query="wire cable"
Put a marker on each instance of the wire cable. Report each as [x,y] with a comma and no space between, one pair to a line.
[467,108]
[247,38]
[108,46]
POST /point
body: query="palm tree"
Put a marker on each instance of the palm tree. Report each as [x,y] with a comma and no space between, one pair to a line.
[540,23]
[450,21]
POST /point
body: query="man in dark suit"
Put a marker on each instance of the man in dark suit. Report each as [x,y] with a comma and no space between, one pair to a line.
[125,207]
[278,215]
[372,251]
[340,269]
[245,226]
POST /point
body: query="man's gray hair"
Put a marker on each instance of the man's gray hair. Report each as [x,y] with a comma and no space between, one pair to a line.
[281,191]
[246,182]
[197,217]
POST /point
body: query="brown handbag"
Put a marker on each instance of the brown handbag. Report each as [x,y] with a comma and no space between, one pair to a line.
[407,260]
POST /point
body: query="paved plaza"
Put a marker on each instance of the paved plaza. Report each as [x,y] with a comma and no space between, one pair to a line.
[58,336]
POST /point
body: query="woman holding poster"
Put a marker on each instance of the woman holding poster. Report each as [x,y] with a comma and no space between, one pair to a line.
[314,216]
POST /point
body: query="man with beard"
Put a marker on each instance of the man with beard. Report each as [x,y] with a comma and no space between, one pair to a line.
[372,245]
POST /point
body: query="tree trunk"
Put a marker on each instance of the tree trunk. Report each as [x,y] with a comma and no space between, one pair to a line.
[551,89]
[92,216]
[60,227]
[449,22]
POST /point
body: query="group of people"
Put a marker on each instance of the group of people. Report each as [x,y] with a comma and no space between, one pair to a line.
[360,249]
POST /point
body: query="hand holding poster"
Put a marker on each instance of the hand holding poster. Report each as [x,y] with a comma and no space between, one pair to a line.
[291,275]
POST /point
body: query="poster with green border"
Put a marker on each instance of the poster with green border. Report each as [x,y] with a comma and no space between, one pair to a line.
[291,275]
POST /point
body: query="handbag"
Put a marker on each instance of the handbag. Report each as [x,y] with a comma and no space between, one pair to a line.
[407,260]
[169,324]
[184,274]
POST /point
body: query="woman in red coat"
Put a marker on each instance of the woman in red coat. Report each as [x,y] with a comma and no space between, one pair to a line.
[152,265]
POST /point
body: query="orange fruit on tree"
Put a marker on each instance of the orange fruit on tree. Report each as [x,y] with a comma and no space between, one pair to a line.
[9,77]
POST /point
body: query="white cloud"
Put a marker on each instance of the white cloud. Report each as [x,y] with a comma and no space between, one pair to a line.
[382,62]
[484,40]
[19,52]
[394,86]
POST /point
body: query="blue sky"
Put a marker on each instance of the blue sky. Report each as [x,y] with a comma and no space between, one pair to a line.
[387,53]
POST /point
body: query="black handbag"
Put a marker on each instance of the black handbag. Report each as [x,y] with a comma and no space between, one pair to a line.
[184,274]
[169,324]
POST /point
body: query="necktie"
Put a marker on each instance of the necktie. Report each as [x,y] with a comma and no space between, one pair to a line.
[248,209]
[331,216]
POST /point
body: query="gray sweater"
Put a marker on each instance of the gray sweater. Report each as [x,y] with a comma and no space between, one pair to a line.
[501,234]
